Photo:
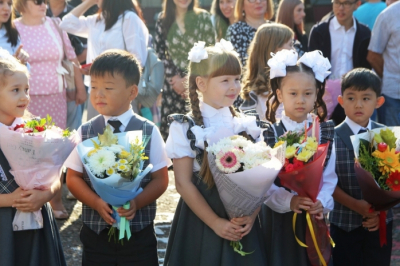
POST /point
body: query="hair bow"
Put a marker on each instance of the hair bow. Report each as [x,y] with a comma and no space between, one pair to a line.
[280,61]
[319,64]
[4,54]
[198,52]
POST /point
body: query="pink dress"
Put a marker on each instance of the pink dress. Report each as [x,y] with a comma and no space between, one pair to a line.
[47,89]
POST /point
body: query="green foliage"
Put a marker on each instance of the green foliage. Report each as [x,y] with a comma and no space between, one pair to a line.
[370,163]
[291,137]
[388,137]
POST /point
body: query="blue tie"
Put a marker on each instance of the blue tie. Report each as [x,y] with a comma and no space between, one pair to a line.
[362,130]
[115,124]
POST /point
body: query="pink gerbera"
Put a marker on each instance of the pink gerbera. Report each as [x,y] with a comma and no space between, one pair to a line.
[228,162]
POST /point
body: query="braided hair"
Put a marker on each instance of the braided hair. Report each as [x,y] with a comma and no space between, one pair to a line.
[218,63]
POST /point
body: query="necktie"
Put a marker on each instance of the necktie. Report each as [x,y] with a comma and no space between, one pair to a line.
[115,124]
[362,130]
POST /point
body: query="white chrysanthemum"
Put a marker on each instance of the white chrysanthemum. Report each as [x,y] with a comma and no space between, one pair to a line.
[110,171]
[101,161]
[123,168]
[122,161]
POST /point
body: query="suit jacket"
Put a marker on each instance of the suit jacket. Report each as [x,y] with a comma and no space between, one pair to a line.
[320,39]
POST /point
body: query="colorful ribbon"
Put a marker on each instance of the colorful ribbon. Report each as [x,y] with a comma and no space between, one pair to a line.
[382,228]
[124,224]
[310,226]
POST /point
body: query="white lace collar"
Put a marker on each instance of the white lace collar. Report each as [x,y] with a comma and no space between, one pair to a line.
[209,111]
[293,125]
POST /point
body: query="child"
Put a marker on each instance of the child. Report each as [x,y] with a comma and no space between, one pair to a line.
[353,228]
[201,231]
[300,89]
[269,38]
[29,247]
[114,78]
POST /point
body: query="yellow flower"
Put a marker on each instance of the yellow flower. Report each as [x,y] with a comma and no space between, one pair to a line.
[305,155]
[390,160]
[124,154]
[123,168]
[290,152]
[311,144]
[110,171]
[279,143]
[123,161]
[92,152]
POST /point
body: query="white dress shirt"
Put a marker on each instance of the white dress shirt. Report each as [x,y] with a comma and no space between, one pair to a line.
[158,156]
[178,145]
[356,127]
[133,31]
[342,42]
[278,199]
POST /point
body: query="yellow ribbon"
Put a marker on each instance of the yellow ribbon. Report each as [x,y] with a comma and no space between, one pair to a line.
[321,258]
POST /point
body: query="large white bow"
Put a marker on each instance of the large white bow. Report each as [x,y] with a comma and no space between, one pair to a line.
[319,64]
[226,46]
[247,124]
[198,52]
[280,61]
[202,134]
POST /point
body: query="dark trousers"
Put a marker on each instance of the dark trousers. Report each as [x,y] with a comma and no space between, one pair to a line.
[141,249]
[360,247]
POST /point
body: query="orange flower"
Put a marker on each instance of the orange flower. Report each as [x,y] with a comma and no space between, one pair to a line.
[393,181]
[390,160]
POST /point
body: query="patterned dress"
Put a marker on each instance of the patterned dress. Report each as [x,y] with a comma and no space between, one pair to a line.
[173,51]
[46,84]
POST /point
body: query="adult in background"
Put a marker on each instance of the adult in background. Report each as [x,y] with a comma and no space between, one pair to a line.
[250,14]
[41,38]
[344,41]
[291,13]
[369,11]
[269,38]
[384,56]
[178,27]
[59,8]
[118,25]
[9,38]
[223,15]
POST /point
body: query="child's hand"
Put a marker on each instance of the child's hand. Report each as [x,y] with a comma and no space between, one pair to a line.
[105,211]
[31,200]
[372,224]
[363,208]
[317,209]
[245,222]
[298,203]
[226,229]
[129,213]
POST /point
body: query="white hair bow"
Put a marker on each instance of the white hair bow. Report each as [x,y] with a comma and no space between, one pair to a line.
[319,64]
[198,52]
[280,61]
[226,46]
[4,54]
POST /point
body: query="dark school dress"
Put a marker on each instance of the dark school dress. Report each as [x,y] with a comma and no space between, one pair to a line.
[40,247]
[192,242]
[281,246]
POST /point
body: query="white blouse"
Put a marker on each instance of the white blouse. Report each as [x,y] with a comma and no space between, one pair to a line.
[279,198]
[17,121]
[178,145]
[132,30]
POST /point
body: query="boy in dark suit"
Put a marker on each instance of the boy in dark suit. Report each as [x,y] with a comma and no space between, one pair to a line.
[353,228]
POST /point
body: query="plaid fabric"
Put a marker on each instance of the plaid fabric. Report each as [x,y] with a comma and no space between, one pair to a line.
[342,216]
[143,216]
[7,182]
[273,131]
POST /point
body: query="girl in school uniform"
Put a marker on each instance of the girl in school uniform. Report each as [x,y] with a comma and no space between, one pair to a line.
[40,247]
[201,230]
[299,85]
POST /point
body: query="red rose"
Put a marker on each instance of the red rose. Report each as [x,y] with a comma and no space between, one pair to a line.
[298,164]
[29,130]
[19,126]
[289,168]
[40,128]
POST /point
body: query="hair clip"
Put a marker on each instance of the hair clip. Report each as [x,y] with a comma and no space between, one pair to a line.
[319,64]
[280,61]
[198,52]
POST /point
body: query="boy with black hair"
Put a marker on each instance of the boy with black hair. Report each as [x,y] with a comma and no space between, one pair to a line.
[114,78]
[354,228]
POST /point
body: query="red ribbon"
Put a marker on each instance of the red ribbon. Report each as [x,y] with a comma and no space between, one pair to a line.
[382,228]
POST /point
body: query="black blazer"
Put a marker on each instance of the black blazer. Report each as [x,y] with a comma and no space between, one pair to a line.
[320,39]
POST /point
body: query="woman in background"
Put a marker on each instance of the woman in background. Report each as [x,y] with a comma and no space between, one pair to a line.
[223,16]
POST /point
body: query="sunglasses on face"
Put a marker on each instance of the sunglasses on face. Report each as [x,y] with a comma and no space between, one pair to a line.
[39,2]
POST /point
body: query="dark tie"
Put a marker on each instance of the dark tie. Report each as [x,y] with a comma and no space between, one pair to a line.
[115,124]
[362,130]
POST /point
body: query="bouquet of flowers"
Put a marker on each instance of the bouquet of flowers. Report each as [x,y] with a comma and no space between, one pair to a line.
[114,164]
[243,172]
[377,170]
[36,151]
[302,173]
